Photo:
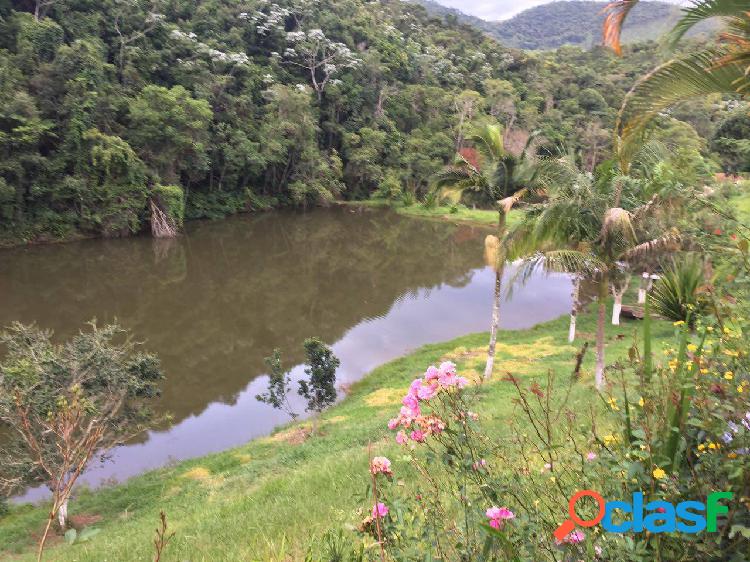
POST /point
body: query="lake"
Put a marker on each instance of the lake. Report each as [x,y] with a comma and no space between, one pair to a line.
[214,302]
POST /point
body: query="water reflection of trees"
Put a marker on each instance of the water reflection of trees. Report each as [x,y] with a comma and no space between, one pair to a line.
[218,300]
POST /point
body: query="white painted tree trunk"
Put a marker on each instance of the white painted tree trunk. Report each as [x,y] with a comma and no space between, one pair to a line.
[645,279]
[495,323]
[601,318]
[574,309]
[616,310]
[62,514]
[618,293]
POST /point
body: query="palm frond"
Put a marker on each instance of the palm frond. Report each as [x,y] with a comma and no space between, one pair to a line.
[452,176]
[490,141]
[559,261]
[667,242]
[672,82]
[703,10]
[615,15]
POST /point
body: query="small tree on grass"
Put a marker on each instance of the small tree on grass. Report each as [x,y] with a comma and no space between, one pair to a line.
[64,403]
[318,389]
[277,394]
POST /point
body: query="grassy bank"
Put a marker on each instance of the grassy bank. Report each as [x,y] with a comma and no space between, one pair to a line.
[265,500]
[459,214]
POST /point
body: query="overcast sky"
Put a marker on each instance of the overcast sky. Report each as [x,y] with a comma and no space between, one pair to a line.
[499,9]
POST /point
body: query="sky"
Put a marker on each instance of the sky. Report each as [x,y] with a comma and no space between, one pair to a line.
[499,9]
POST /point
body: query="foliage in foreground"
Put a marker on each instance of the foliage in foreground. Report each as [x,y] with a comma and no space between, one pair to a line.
[62,404]
[676,431]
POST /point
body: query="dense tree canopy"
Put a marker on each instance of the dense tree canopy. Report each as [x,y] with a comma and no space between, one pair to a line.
[240,106]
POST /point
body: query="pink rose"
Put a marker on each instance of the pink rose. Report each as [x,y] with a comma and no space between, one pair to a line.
[427,392]
[431,374]
[379,510]
[414,387]
[401,437]
[498,516]
[591,456]
[380,465]
[417,436]
[573,538]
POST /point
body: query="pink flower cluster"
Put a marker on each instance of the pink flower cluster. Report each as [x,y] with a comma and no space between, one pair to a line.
[381,465]
[575,537]
[498,516]
[422,390]
[379,510]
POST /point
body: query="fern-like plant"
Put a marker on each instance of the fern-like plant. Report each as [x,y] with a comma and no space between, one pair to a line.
[677,294]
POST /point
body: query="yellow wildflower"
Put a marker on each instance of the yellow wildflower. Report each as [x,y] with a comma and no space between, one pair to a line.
[613,404]
[679,323]
[692,347]
[609,439]
[659,473]
[641,402]
[701,447]
[729,375]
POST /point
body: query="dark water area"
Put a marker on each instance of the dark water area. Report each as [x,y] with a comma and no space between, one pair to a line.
[214,302]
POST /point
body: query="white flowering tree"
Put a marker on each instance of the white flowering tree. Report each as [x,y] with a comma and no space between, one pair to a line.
[319,55]
[215,55]
[130,29]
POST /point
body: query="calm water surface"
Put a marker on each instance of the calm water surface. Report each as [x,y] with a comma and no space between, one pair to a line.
[213,303]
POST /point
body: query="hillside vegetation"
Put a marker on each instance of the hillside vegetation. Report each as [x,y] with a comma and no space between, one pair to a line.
[570,22]
[148,113]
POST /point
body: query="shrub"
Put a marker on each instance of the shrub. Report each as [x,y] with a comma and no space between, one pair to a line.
[677,294]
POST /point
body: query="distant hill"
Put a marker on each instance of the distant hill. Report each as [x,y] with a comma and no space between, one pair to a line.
[569,22]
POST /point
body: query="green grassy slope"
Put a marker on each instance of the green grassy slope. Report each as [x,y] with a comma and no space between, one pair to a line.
[267,499]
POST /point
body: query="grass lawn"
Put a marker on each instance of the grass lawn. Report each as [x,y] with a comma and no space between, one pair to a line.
[462,214]
[267,499]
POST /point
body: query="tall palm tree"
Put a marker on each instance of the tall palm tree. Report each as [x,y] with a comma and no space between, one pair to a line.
[487,171]
[722,68]
[582,229]
[492,175]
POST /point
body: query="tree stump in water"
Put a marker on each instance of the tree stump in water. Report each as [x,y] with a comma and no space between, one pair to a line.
[161,225]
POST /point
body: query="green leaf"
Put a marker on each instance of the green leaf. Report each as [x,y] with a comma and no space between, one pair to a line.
[88,533]
[70,536]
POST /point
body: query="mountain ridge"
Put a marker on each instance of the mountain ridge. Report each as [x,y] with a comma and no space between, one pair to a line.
[576,22]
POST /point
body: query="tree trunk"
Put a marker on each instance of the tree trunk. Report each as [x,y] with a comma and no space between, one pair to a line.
[574,309]
[603,291]
[62,514]
[619,293]
[495,322]
[617,309]
[645,278]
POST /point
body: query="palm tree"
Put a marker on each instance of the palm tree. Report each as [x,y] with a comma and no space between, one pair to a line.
[496,255]
[492,175]
[486,172]
[582,229]
[723,68]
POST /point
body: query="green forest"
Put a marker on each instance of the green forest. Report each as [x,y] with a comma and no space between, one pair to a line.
[151,112]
